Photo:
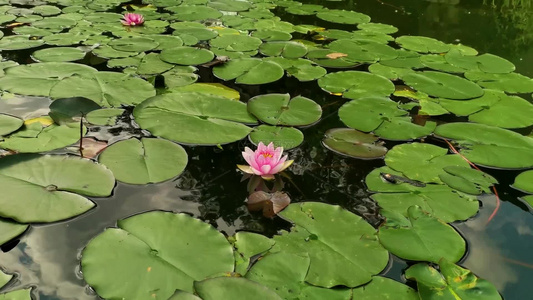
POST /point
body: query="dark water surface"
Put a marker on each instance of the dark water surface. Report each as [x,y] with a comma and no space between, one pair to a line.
[48,256]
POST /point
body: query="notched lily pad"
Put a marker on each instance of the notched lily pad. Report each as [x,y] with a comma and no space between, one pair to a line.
[353,143]
[280,109]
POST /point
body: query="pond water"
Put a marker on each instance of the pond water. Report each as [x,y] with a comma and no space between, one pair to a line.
[212,189]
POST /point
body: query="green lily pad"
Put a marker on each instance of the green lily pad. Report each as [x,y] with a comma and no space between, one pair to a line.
[305,9]
[216,89]
[422,44]
[454,283]
[391,73]
[31,31]
[508,112]
[166,41]
[422,162]
[236,43]
[151,64]
[420,237]
[232,288]
[4,278]
[302,69]
[443,85]
[8,231]
[356,84]
[488,63]
[54,23]
[524,182]
[47,187]
[162,249]
[64,39]
[285,49]
[439,63]
[353,143]
[378,27]
[490,146]
[181,295]
[200,33]
[383,117]
[280,109]
[249,71]
[8,124]
[363,51]
[180,76]
[105,88]
[467,180]
[285,273]
[58,54]
[510,82]
[144,161]
[68,110]
[38,79]
[342,252]
[247,245]
[46,10]
[194,118]
[384,288]
[286,137]
[24,294]
[272,35]
[405,59]
[194,13]
[104,116]
[229,5]
[343,16]
[187,56]
[34,138]
[133,44]
[18,42]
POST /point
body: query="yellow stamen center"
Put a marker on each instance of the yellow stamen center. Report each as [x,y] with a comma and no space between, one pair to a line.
[265,155]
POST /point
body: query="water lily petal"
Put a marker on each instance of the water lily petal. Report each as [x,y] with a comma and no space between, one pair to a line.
[245,169]
[266,169]
[268,177]
[286,165]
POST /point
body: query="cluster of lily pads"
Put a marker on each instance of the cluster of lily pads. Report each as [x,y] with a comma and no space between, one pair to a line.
[397,88]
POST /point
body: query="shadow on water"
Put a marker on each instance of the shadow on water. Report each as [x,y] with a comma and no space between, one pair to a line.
[211,188]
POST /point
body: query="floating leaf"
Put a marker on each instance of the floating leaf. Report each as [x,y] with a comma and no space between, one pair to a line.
[144,161]
[280,109]
[162,249]
[364,51]
[384,288]
[467,180]
[194,118]
[378,27]
[229,5]
[443,85]
[45,187]
[8,231]
[353,143]
[286,137]
[510,83]
[342,246]
[232,288]
[454,283]
[422,44]
[18,42]
[9,124]
[490,146]
[391,73]
[524,182]
[180,76]
[181,295]
[187,56]
[216,89]
[285,49]
[356,84]
[236,43]
[249,71]
[285,273]
[58,54]
[343,16]
[486,63]
[420,237]
[68,110]
[194,13]
[151,64]
[247,245]
[104,116]
[36,138]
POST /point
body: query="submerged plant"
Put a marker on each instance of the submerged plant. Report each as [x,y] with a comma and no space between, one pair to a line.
[265,161]
[132,19]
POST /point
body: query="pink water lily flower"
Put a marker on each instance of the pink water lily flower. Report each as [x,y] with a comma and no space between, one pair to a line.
[132,19]
[265,161]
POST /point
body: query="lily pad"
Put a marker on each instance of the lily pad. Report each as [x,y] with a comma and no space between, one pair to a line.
[181,295]
[467,180]
[232,288]
[285,273]
[9,124]
[285,49]
[229,5]
[162,249]
[187,56]
[47,187]
[144,161]
[194,13]
[24,294]
[280,109]
[510,83]
[443,85]
[236,43]
[384,288]
[342,252]
[440,201]
[151,64]
[363,51]
[420,237]
[216,89]
[486,62]
[194,118]
[18,42]
[354,143]
[35,138]
[8,231]
[58,54]
[248,245]
[378,27]
[180,76]
[104,116]
[524,182]
[422,162]
[422,44]
[391,73]
[133,44]
[249,71]
[490,146]
[105,88]
[343,16]
[68,110]
[286,137]
[454,283]
[356,84]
